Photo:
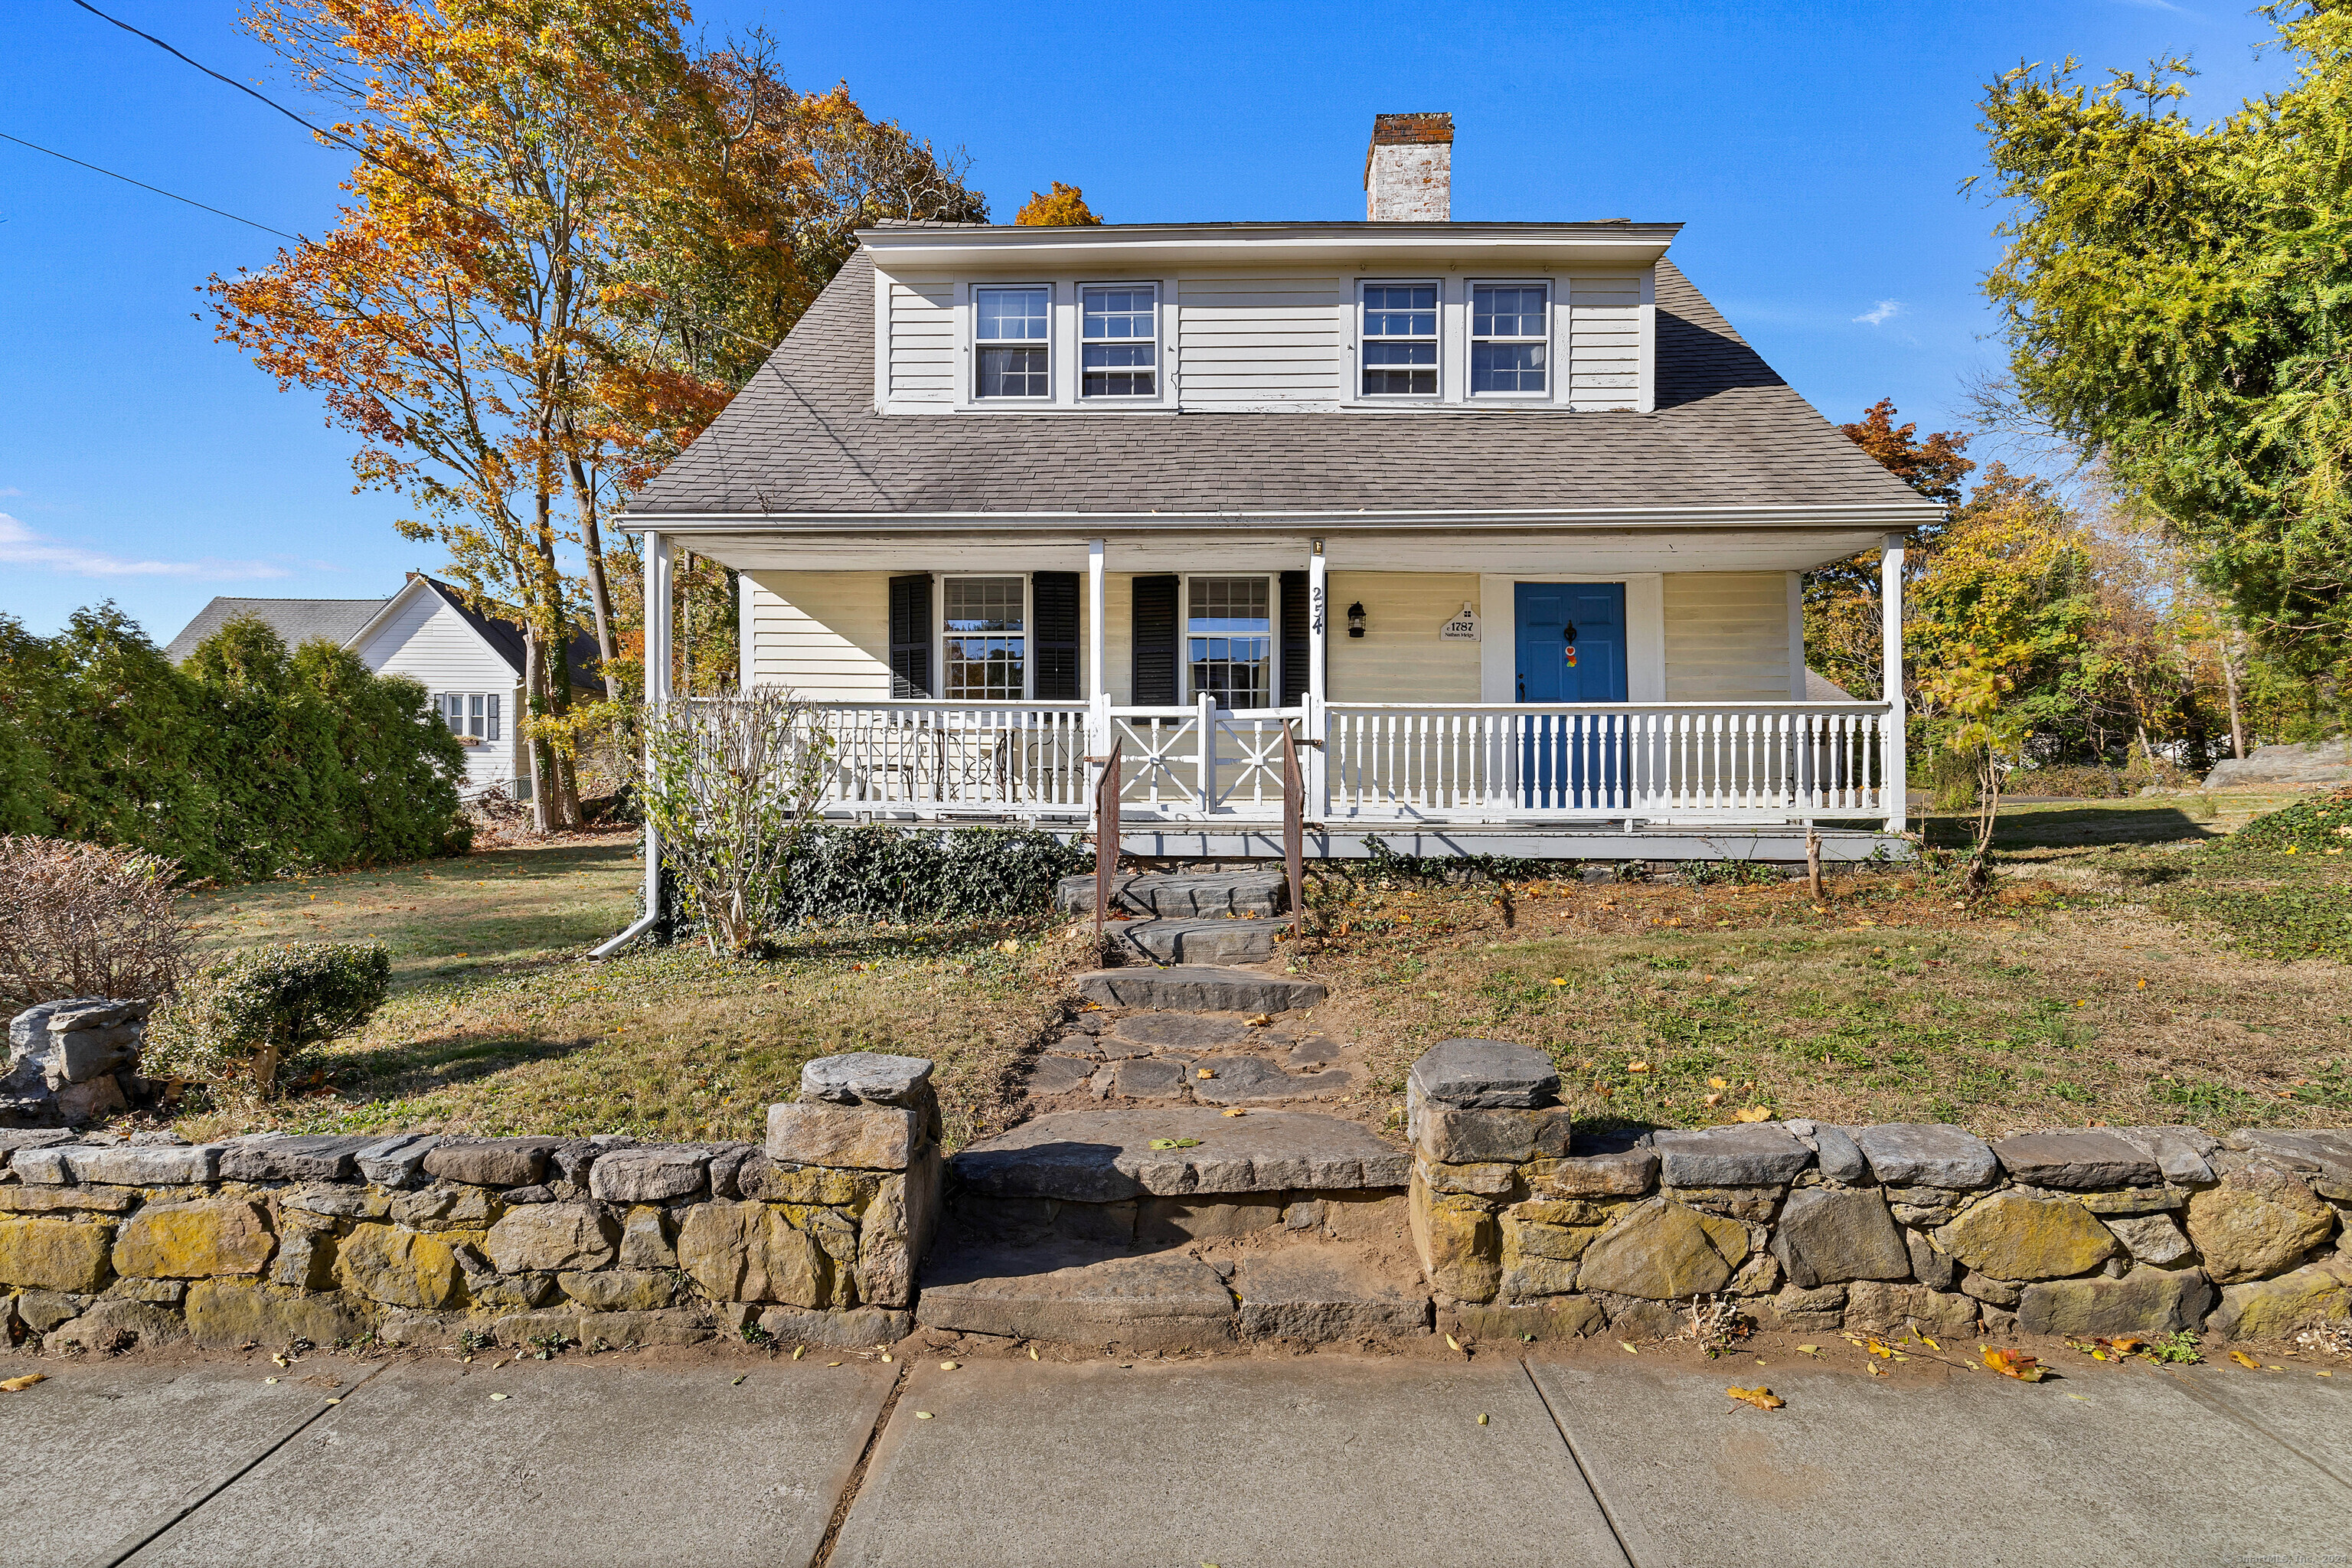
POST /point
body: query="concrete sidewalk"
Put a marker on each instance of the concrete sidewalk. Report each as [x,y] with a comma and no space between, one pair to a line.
[1242,1463]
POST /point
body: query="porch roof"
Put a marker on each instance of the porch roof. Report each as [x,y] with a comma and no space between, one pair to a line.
[1730,443]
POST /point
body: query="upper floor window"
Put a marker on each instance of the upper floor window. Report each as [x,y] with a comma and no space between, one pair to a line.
[1010,332]
[1229,639]
[986,638]
[1119,340]
[1507,339]
[1400,339]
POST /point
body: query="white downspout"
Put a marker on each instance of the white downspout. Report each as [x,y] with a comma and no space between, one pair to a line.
[1890,678]
[1097,678]
[658,691]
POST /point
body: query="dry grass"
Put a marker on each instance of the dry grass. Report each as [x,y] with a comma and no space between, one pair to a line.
[2094,987]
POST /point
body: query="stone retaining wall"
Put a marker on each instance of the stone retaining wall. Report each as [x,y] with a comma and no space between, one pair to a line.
[814,1236]
[1525,1228]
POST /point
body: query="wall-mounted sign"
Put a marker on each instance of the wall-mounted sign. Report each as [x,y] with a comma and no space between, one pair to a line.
[1462,628]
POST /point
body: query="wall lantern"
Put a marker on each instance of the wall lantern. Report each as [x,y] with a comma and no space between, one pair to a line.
[1356,619]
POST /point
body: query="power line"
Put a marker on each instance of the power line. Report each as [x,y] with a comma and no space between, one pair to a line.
[249,92]
[159,190]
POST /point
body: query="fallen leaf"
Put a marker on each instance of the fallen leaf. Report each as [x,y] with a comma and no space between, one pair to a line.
[1759,1397]
[833,1363]
[1482,1419]
[1628,1347]
[1718,1083]
[949,1365]
[1878,1350]
[1206,1073]
[497,1396]
[1175,1143]
[1258,1021]
[1237,1111]
[18,1385]
[1929,1343]
[739,1382]
[1753,1113]
[2243,1359]
[1877,1369]
[1451,1343]
[2124,1346]
[1637,1067]
[885,1358]
[2015,1363]
[1809,1350]
[922,1415]
[269,1380]
[1033,1352]
[1713,1100]
[798,1350]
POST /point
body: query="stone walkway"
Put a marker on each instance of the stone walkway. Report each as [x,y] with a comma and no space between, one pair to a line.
[1237,1462]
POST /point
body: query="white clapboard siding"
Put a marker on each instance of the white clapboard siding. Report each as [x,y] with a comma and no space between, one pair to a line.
[1727,636]
[922,342]
[1400,658]
[1604,347]
[825,635]
[1258,343]
[430,643]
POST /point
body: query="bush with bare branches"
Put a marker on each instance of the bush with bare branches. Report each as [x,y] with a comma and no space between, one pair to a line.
[84,920]
[732,787]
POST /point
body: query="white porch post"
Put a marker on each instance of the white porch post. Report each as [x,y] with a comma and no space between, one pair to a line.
[1316,726]
[1890,665]
[657,640]
[1097,678]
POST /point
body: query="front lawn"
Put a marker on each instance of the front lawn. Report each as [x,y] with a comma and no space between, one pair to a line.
[2134,967]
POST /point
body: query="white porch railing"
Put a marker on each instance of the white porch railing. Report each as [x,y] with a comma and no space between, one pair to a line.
[1371,763]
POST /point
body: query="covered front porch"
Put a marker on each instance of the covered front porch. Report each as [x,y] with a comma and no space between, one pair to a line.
[1570,693]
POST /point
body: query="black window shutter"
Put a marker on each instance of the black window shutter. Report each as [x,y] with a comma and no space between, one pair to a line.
[910,638]
[1155,642]
[1296,658]
[1054,603]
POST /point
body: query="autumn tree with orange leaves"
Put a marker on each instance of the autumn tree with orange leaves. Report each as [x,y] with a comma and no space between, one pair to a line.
[571,238]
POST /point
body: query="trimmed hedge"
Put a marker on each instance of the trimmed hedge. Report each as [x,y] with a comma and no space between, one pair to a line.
[259,1011]
[246,762]
[872,875]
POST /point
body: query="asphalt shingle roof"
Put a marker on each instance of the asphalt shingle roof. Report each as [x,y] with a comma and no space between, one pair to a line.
[295,620]
[803,438]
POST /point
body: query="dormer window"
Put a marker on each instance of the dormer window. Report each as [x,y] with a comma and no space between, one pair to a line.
[1010,332]
[1118,331]
[1507,338]
[1400,339]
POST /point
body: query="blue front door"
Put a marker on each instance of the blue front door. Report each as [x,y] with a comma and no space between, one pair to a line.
[1571,643]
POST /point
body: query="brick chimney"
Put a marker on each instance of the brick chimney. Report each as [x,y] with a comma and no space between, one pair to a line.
[1409,172]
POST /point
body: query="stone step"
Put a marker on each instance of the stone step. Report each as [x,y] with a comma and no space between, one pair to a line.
[1214,940]
[1199,988]
[1100,1294]
[1107,1157]
[1202,895]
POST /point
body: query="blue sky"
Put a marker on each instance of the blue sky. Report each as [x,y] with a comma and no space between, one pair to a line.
[1813,152]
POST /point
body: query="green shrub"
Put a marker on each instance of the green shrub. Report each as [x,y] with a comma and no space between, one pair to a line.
[257,1013]
[841,874]
[2322,823]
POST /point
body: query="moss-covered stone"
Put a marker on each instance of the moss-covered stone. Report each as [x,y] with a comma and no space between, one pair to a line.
[56,1254]
[246,1311]
[2147,1301]
[2259,1220]
[1457,1241]
[1663,1251]
[620,1289]
[2316,1296]
[194,1240]
[400,1268]
[2011,1236]
[748,1251]
[554,1237]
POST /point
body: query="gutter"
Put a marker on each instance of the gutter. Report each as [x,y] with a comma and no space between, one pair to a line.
[1898,515]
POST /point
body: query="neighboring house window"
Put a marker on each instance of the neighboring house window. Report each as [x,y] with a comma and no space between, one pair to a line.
[1229,639]
[470,715]
[1118,334]
[1400,339]
[987,645]
[1009,326]
[1506,338]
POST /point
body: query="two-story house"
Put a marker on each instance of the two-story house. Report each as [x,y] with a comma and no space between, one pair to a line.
[1502,520]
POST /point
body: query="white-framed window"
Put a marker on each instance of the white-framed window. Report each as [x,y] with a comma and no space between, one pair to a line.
[469,715]
[984,638]
[1118,340]
[1399,341]
[1012,331]
[1509,340]
[1229,639]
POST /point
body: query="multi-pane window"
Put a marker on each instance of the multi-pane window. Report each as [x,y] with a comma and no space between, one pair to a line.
[1400,339]
[987,645]
[469,715]
[1506,338]
[1229,639]
[1009,338]
[1119,338]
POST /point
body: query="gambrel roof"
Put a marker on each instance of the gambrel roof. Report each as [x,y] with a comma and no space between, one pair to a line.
[803,438]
